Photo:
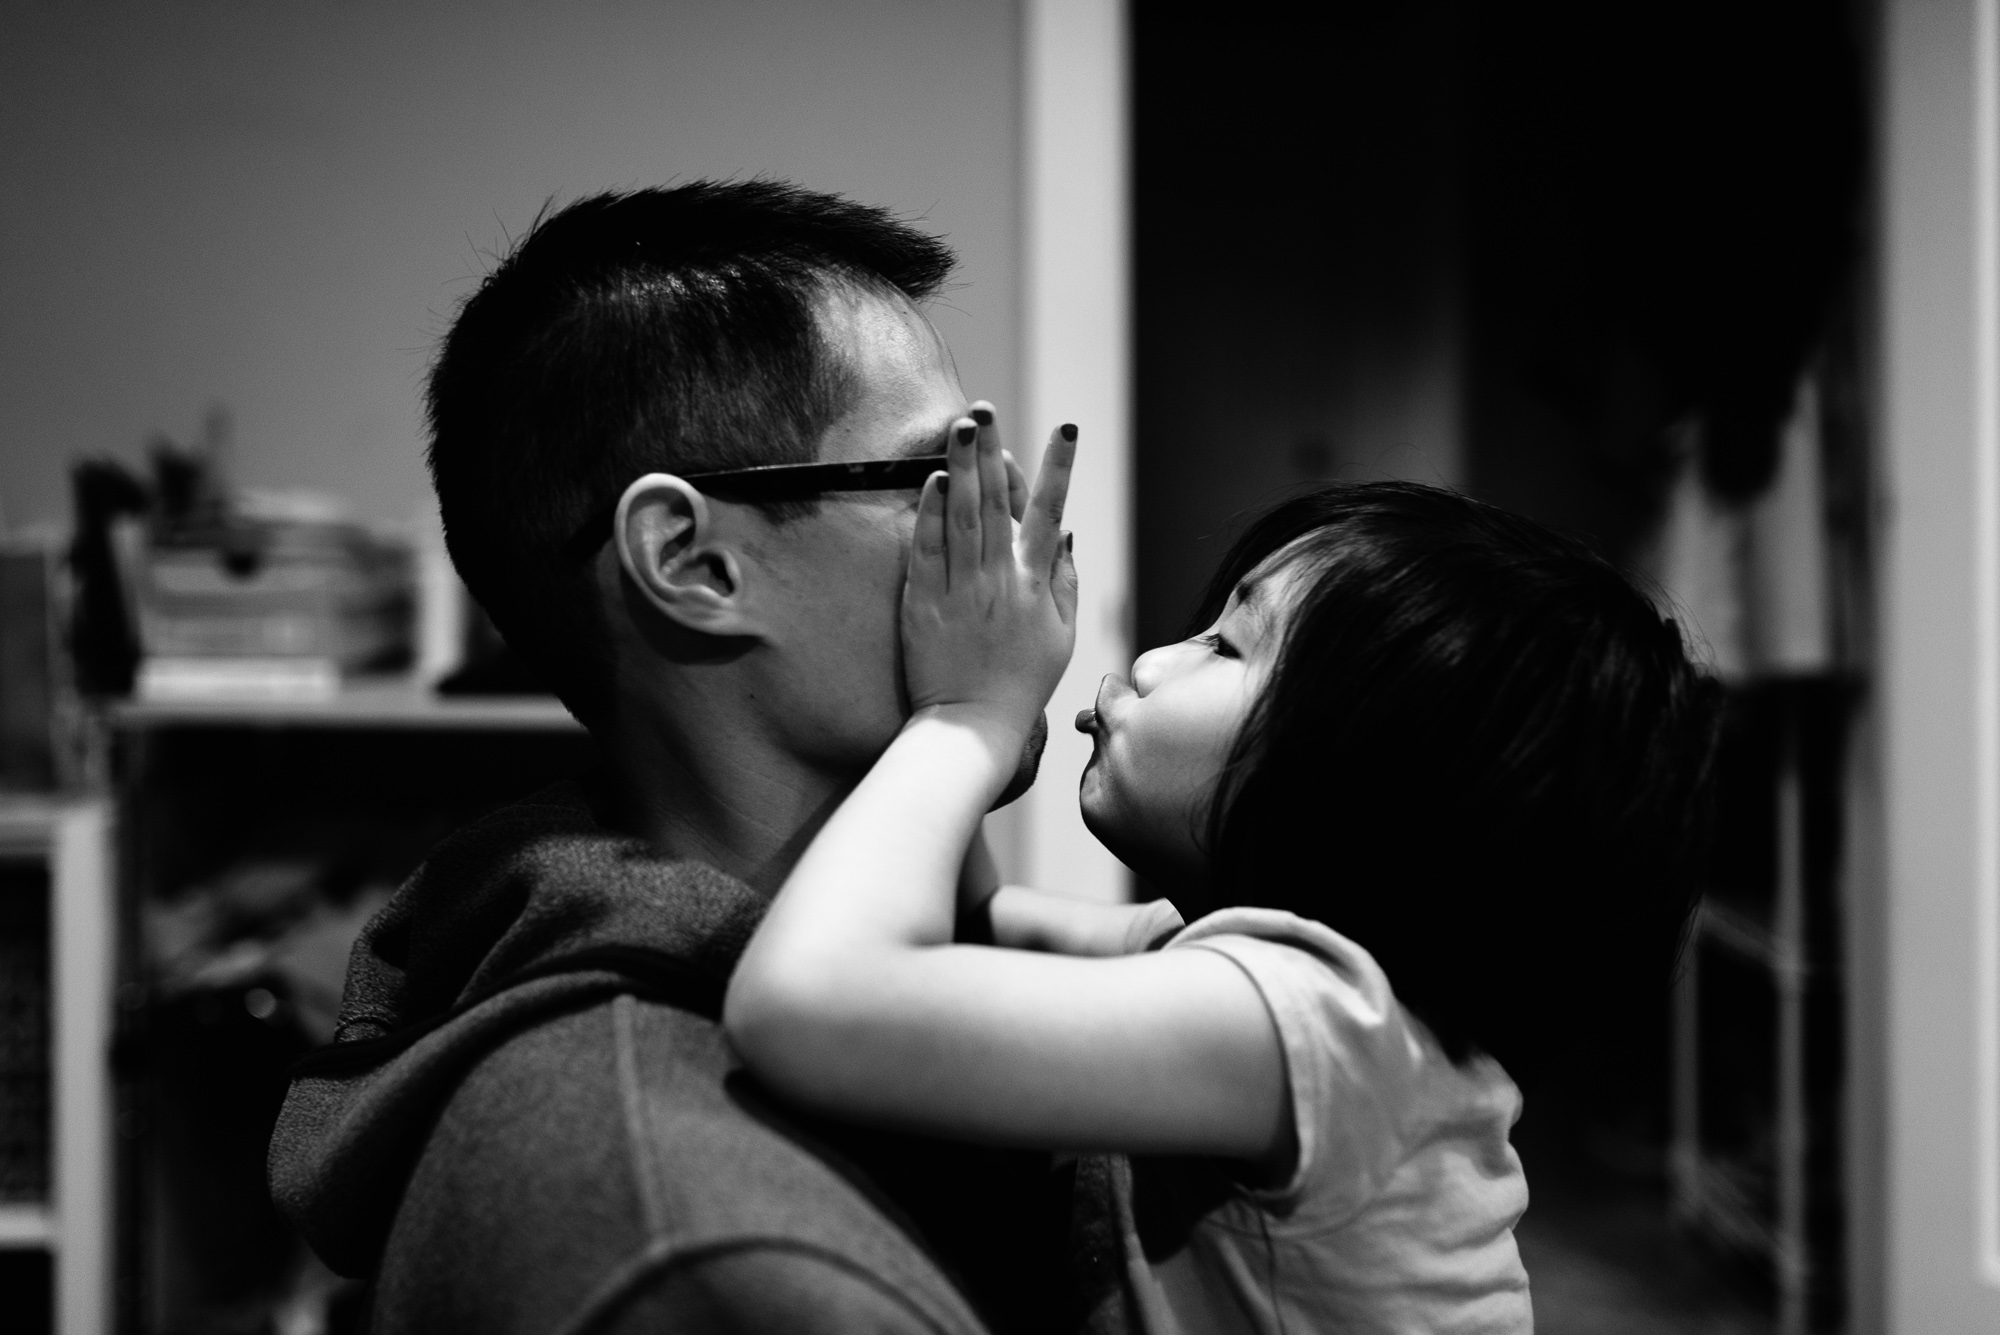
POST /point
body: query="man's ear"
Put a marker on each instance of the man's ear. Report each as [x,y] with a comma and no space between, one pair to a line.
[668,547]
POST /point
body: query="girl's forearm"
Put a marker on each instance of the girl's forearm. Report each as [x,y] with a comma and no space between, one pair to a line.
[884,871]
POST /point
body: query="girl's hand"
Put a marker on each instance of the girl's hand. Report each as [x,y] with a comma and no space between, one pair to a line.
[1024,919]
[989,612]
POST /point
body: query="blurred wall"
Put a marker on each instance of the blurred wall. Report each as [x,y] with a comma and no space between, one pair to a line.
[277,208]
[1077,288]
[1938,947]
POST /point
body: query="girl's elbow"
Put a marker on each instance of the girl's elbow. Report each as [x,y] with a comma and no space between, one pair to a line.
[772,1022]
[753,1016]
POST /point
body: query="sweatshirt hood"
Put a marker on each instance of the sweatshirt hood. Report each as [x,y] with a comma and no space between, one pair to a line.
[534,910]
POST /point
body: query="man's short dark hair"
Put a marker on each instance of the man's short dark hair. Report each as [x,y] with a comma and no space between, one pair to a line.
[669,330]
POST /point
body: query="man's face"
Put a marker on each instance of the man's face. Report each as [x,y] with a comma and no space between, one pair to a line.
[837,575]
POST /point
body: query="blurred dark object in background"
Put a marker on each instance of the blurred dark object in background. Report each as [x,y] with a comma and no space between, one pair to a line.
[27,1278]
[38,711]
[1664,203]
[25,1168]
[104,628]
[277,930]
[247,971]
[1521,241]
[1757,1155]
[191,482]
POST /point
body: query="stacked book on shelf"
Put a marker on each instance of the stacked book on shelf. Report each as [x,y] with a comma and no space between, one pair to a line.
[272,609]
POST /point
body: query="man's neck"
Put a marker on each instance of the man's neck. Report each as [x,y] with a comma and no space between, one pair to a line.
[719,795]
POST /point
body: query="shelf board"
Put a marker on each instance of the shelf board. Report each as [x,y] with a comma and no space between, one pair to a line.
[388,703]
[28,824]
[25,1227]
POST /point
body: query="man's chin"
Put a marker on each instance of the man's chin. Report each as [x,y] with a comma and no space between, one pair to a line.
[1029,764]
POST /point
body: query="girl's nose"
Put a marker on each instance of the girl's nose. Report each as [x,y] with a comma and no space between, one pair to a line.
[1151,668]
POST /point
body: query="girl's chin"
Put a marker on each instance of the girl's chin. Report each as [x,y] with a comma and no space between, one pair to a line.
[1091,800]
[1090,785]
[1160,870]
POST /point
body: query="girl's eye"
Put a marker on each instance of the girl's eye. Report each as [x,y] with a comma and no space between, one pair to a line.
[1221,647]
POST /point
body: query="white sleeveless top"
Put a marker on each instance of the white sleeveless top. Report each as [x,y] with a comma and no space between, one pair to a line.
[1399,1215]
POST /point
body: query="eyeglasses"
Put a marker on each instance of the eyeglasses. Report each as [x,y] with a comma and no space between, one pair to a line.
[775,482]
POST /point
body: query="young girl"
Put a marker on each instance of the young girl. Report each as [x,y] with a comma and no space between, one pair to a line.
[1431,773]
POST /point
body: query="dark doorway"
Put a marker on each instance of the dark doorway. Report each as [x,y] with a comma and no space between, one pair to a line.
[1514,250]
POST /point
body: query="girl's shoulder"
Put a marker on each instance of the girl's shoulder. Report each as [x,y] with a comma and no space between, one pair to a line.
[1369,1084]
[1315,979]
[1289,943]
[1334,1009]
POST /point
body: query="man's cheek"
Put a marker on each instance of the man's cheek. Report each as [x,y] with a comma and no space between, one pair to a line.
[1028,765]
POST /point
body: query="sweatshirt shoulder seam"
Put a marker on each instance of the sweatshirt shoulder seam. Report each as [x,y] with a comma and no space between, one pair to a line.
[663,1255]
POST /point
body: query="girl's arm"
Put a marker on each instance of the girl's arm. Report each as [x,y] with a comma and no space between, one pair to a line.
[851,999]
[1022,919]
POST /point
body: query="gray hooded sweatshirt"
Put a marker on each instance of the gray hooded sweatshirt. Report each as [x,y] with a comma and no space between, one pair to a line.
[529,1121]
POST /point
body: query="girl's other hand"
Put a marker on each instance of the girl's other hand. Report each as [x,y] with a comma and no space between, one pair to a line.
[989,608]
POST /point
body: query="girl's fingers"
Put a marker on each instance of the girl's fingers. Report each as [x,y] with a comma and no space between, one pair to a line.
[961,501]
[1041,529]
[927,557]
[996,528]
[1062,581]
[1017,486]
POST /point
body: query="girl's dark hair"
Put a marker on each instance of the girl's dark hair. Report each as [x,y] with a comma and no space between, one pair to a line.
[1482,754]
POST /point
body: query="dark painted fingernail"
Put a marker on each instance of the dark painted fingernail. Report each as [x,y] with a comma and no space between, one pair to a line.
[1069,543]
[966,433]
[983,416]
[1069,432]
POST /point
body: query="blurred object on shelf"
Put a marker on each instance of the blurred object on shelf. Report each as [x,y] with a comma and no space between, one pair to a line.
[279,598]
[1789,568]
[24,1034]
[1698,563]
[225,1258]
[272,931]
[41,720]
[272,678]
[188,591]
[104,627]
[309,959]
[491,666]
[191,483]
[443,606]
[286,588]
[1749,579]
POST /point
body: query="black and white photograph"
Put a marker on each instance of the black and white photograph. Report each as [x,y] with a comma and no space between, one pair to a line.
[999,667]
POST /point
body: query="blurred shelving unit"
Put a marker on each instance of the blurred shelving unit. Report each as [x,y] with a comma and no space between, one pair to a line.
[1778,585]
[60,849]
[255,836]
[1759,1070]
[395,703]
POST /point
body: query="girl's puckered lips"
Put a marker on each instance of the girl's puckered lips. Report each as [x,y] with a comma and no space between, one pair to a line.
[1094,720]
